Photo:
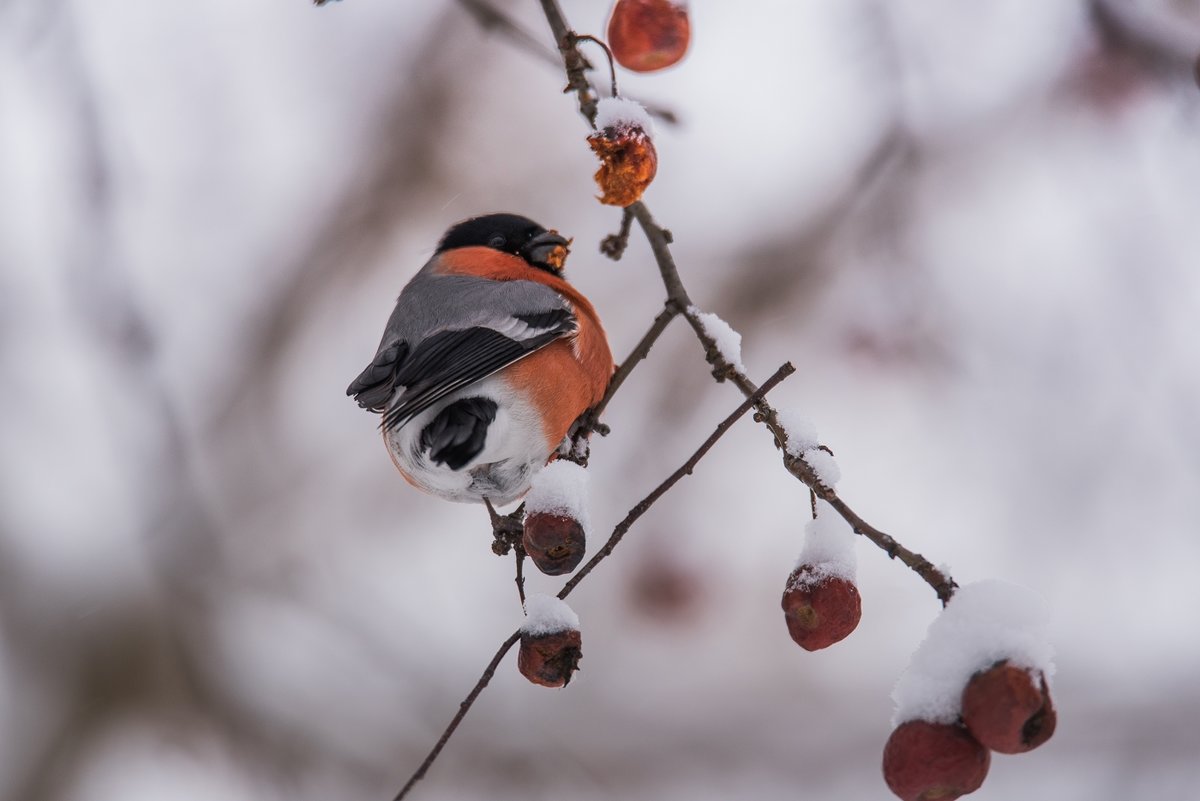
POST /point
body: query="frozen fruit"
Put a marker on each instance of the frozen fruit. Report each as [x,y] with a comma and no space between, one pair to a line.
[926,761]
[648,35]
[1008,709]
[820,610]
[549,659]
[555,543]
[628,162]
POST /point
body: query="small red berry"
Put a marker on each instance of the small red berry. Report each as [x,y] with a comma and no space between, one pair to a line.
[555,543]
[648,35]
[925,761]
[550,659]
[1008,709]
[820,610]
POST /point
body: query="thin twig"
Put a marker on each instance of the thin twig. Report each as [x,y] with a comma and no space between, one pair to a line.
[612,65]
[492,513]
[660,240]
[520,552]
[639,352]
[614,245]
[589,421]
[685,470]
[506,529]
[463,709]
[573,61]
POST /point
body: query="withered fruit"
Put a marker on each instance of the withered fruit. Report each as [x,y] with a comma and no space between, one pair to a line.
[550,659]
[926,761]
[555,543]
[1008,709]
[820,611]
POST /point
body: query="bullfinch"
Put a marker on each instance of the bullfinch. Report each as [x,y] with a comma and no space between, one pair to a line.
[488,359]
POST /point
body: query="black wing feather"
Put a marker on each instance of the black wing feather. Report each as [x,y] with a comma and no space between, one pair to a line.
[450,360]
[375,385]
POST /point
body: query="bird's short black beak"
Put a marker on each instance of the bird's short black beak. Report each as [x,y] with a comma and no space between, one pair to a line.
[547,250]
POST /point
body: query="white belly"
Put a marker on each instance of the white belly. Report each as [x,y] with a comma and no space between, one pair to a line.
[514,450]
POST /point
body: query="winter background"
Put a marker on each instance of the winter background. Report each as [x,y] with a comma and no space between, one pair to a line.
[973,227]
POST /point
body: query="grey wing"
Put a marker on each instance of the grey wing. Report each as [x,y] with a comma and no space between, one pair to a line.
[464,329]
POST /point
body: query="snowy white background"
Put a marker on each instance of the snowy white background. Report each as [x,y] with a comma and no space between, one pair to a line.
[974,229]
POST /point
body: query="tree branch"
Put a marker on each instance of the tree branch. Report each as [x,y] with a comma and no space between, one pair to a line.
[573,61]
[614,245]
[520,579]
[640,352]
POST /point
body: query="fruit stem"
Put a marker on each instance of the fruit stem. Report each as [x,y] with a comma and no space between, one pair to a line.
[612,68]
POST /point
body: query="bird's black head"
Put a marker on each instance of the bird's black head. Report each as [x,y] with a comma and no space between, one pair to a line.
[510,233]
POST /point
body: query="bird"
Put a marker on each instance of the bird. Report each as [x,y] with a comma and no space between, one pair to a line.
[487,360]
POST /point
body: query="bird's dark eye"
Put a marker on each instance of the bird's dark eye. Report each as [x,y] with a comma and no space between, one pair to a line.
[498,242]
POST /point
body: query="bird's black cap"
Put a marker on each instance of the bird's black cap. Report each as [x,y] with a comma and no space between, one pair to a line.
[509,233]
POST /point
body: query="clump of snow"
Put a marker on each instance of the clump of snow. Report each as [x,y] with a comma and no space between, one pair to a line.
[802,443]
[729,342]
[829,544]
[621,112]
[545,614]
[801,433]
[984,623]
[824,465]
[560,488]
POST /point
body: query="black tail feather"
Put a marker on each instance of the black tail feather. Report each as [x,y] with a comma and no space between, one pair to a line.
[457,434]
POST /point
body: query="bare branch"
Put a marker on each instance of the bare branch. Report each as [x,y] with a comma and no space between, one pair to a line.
[573,61]
[660,240]
[614,245]
[520,554]
[612,65]
[640,351]
[506,529]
